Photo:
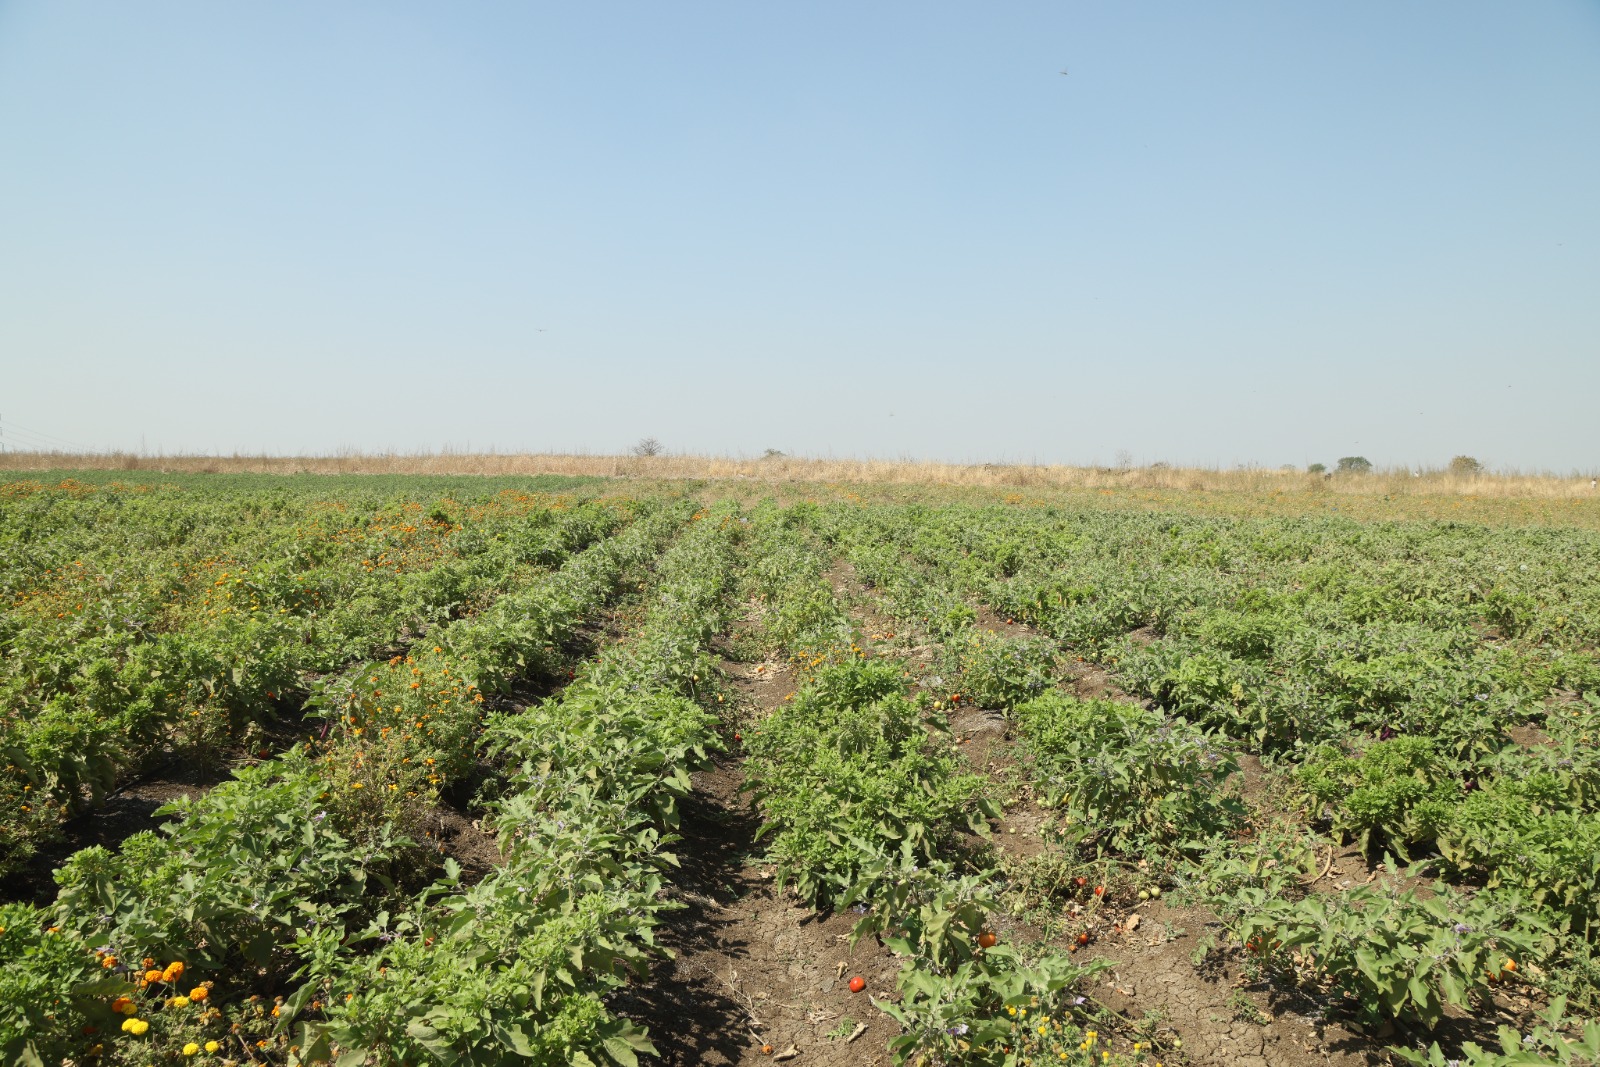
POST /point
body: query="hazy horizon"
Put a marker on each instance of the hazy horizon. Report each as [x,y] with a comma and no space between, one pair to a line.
[1237,234]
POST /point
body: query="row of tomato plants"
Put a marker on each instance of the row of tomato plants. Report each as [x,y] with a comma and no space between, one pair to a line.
[148,666]
[1147,785]
[269,879]
[518,968]
[866,807]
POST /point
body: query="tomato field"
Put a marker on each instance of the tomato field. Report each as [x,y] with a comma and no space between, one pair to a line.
[413,770]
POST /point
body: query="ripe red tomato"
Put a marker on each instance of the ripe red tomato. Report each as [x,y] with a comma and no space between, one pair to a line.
[1083,939]
[987,939]
[1099,890]
[857,984]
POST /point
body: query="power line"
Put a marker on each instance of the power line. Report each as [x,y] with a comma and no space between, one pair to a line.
[38,440]
[45,436]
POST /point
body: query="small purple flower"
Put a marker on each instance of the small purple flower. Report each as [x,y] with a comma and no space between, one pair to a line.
[1462,928]
[1078,1002]
[959,1029]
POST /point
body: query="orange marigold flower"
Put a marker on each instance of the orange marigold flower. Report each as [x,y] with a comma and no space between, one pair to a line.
[152,975]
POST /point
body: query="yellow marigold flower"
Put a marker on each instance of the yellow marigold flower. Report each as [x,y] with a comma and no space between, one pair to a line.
[190,1049]
[123,1006]
[180,1002]
[135,1026]
[212,1046]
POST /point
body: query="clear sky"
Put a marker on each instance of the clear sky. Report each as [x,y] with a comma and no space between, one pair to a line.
[1229,233]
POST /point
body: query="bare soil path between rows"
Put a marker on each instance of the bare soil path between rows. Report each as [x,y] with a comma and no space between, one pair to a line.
[753,968]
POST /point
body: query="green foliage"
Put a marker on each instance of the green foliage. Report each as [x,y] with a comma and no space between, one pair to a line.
[183,625]
[1395,794]
[196,622]
[41,968]
[1354,465]
[996,672]
[851,760]
[248,868]
[1545,1045]
[1230,875]
[959,1002]
[1519,832]
[1392,954]
[1127,779]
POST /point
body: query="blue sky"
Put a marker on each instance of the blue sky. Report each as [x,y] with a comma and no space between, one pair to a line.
[1230,233]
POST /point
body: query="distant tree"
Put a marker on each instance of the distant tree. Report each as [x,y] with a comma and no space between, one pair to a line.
[1124,459]
[1354,465]
[1317,468]
[773,453]
[1465,466]
[647,446]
